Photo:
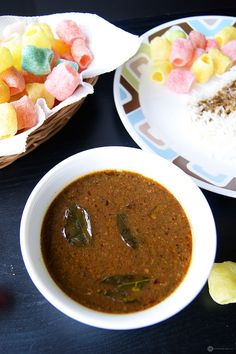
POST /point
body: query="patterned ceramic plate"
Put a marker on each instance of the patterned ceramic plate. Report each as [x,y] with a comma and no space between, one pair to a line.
[156,118]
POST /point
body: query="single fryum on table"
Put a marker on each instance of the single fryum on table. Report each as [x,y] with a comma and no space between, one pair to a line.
[109,47]
[222,282]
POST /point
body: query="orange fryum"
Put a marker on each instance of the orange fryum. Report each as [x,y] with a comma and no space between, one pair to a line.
[60,47]
[25,112]
[56,56]
[14,80]
[18,96]
[4,92]
[31,78]
[67,57]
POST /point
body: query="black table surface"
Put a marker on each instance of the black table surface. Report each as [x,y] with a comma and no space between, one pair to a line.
[28,323]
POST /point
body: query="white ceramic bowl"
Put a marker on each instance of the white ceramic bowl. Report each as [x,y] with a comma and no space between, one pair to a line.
[152,166]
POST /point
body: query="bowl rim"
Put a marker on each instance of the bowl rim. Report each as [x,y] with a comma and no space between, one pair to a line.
[153,315]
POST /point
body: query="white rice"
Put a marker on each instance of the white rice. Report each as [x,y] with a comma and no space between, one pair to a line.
[217,125]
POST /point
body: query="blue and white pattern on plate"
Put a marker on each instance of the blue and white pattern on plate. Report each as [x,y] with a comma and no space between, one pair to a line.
[130,105]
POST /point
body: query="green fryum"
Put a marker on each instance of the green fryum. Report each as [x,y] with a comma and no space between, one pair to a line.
[123,287]
[125,232]
[36,60]
[173,34]
[77,229]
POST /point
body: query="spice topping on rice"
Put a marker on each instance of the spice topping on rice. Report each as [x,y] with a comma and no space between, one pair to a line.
[222,103]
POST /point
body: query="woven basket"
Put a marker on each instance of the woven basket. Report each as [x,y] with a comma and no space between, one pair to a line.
[49,128]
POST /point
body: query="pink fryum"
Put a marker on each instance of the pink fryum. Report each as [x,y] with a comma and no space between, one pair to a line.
[197,53]
[182,52]
[229,49]
[62,81]
[211,43]
[180,80]
[197,39]
[68,31]
[81,53]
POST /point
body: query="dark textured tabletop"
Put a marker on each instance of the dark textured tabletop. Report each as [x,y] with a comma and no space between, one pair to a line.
[28,323]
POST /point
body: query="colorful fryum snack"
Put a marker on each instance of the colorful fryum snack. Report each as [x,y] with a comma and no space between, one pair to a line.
[229,49]
[160,48]
[221,62]
[202,57]
[180,80]
[225,35]
[15,48]
[161,70]
[81,53]
[6,59]
[197,39]
[36,60]
[35,64]
[181,52]
[38,35]
[4,92]
[14,79]
[62,81]
[38,90]
[25,112]
[68,31]
[173,34]
[203,68]
[8,121]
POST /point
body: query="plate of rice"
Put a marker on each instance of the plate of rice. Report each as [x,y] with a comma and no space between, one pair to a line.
[195,129]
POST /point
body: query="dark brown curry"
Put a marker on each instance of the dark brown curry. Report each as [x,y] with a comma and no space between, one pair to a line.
[116,241]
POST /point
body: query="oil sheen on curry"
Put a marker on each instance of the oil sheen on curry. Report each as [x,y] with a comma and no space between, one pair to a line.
[116,241]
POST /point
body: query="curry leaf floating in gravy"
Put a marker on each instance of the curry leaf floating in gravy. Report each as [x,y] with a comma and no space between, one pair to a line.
[127,281]
[125,232]
[123,287]
[77,229]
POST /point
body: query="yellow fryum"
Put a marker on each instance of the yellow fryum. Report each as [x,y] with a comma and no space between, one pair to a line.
[221,62]
[4,92]
[35,35]
[222,282]
[8,121]
[160,71]
[16,49]
[225,35]
[60,47]
[6,60]
[47,30]
[203,68]
[36,90]
[160,49]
